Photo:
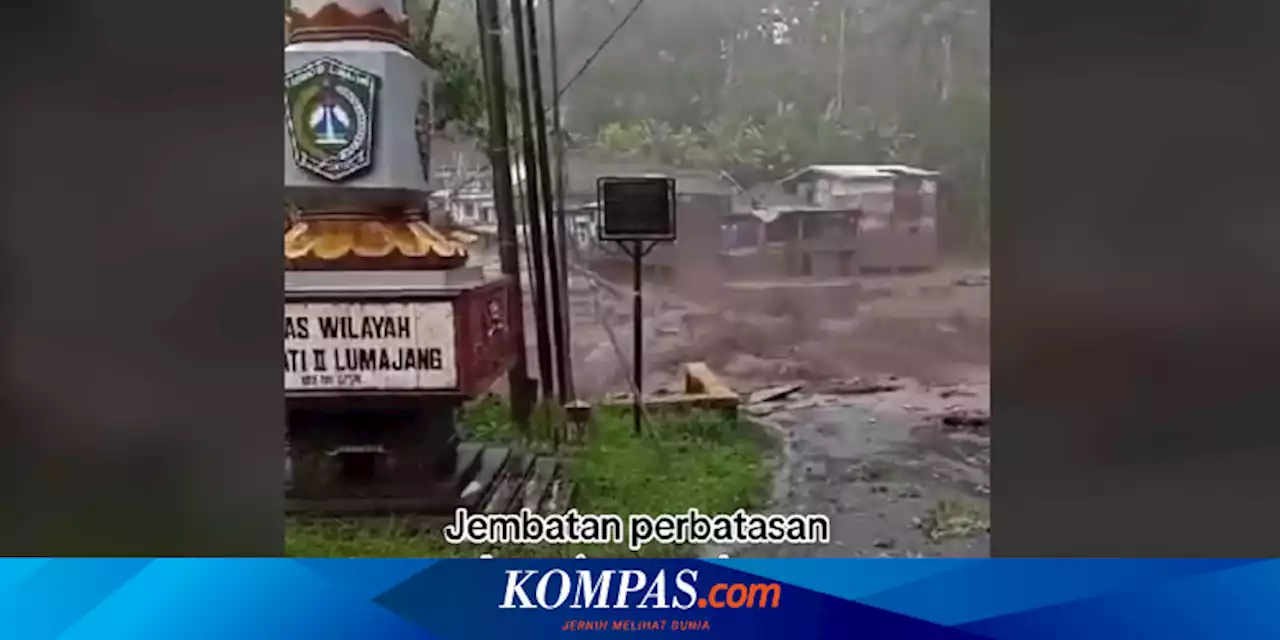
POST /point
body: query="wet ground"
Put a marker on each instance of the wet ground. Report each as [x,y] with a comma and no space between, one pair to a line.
[884,424]
[885,419]
[893,482]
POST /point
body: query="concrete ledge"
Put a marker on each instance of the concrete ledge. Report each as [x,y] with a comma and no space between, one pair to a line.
[703,389]
[448,282]
[700,380]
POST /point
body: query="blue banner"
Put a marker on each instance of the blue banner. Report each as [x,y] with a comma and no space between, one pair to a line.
[239,599]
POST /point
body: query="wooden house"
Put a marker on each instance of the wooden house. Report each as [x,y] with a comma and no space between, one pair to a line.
[895,206]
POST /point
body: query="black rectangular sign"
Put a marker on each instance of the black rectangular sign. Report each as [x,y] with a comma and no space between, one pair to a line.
[637,208]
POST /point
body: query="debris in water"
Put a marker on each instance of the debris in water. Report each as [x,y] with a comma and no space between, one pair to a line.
[864,473]
[758,410]
[774,393]
[860,387]
[972,421]
[973,280]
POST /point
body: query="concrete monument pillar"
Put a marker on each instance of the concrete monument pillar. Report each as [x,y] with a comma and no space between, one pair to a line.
[387,328]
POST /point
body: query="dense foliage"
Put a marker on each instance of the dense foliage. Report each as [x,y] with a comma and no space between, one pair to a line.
[762,87]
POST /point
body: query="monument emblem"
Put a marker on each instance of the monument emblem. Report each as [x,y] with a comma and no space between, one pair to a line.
[329,108]
[423,123]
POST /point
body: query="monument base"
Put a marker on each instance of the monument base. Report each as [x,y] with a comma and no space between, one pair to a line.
[370,447]
[366,426]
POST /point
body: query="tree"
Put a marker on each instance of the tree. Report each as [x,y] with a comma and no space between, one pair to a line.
[761,87]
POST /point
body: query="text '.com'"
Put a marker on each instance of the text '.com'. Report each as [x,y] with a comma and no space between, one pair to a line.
[631,589]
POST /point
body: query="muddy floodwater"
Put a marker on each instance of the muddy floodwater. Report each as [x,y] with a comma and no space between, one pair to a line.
[877,430]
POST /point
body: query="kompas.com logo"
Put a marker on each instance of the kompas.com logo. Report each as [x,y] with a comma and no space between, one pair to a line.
[628,589]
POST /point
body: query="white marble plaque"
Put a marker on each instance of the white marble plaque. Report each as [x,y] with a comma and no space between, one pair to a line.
[369,346]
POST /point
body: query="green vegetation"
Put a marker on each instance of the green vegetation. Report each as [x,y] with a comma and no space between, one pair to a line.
[950,519]
[682,461]
[760,88]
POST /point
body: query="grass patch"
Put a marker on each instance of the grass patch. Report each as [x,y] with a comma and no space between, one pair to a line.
[487,420]
[682,461]
[950,519]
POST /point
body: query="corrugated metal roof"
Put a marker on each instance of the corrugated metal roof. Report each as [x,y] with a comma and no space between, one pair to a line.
[771,213]
[584,169]
[861,172]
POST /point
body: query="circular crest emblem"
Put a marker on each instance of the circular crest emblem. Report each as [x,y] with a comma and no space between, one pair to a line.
[330,109]
[423,123]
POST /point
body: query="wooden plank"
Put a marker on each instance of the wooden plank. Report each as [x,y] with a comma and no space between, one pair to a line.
[469,461]
[539,482]
[482,486]
[510,483]
[566,502]
[559,495]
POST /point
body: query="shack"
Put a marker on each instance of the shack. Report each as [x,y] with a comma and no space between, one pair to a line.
[784,236]
[896,211]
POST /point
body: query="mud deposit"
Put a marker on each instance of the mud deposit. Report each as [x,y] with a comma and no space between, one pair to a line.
[893,484]
[887,429]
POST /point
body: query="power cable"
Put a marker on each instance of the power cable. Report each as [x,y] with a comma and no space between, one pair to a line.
[599,285]
[604,43]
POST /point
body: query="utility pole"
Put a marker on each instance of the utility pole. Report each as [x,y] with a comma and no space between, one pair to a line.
[844,18]
[490,30]
[548,211]
[531,187]
[562,226]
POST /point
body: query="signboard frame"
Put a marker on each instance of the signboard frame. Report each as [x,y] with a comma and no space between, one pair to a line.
[637,246]
[603,184]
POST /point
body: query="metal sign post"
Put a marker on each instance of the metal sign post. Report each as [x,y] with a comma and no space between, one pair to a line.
[637,213]
[637,250]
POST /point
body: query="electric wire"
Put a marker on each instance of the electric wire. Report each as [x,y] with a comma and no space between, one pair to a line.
[600,49]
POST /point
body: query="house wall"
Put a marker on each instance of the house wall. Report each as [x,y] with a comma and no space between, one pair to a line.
[826,244]
[885,240]
[794,245]
[473,209]
[905,248]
